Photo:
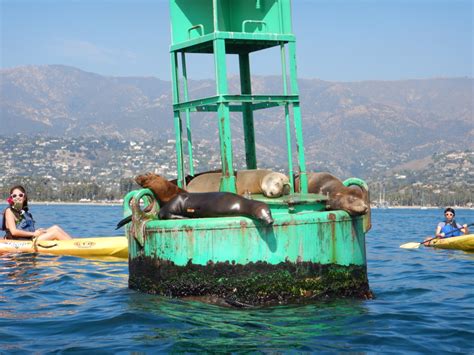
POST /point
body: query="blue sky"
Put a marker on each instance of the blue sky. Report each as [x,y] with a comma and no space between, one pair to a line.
[337,40]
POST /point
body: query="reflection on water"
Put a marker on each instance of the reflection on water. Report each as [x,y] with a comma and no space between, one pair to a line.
[27,270]
[285,327]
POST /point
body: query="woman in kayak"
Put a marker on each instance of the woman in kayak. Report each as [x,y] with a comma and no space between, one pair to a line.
[449,228]
[18,222]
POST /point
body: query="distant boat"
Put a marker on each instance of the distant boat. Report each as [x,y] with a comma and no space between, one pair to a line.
[381,203]
[423,207]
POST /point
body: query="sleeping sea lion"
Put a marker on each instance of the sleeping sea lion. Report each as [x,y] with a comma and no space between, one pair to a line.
[188,178]
[271,184]
[214,204]
[350,199]
[162,189]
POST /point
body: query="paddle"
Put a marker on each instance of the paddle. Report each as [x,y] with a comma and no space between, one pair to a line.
[415,245]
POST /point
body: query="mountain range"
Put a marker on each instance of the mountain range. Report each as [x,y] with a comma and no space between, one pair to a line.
[349,127]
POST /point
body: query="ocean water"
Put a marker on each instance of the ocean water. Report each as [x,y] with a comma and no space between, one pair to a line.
[55,304]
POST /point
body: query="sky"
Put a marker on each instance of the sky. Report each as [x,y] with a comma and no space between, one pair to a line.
[337,40]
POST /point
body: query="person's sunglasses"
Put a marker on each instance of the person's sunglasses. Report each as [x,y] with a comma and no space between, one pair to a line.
[19,195]
[448,214]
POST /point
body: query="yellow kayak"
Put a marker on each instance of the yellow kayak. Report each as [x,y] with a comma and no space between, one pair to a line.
[464,242]
[85,247]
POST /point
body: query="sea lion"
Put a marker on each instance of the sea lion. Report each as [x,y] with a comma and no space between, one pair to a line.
[188,178]
[162,189]
[350,199]
[214,204]
[271,184]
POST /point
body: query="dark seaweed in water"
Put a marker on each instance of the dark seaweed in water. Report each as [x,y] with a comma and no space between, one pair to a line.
[252,284]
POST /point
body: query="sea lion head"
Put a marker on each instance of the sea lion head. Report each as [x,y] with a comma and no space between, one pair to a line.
[275,185]
[353,205]
[162,188]
[263,213]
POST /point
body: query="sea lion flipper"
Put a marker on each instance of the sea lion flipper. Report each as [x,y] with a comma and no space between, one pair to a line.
[123,222]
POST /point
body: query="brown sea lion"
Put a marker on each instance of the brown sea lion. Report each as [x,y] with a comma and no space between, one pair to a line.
[214,204]
[271,184]
[188,178]
[163,190]
[350,199]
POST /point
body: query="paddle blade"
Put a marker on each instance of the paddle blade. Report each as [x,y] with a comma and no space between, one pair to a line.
[411,245]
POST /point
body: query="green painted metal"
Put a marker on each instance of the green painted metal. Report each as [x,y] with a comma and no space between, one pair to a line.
[308,252]
[305,234]
[188,116]
[257,101]
[291,172]
[247,112]
[297,119]
[223,112]
[223,27]
[236,43]
[177,120]
[307,255]
[197,18]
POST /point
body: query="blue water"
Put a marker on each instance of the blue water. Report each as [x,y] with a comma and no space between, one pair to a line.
[424,301]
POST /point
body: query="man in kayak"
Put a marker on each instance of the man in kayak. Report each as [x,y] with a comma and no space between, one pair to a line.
[449,228]
[18,223]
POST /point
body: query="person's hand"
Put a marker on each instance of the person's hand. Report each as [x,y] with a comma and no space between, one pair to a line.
[38,232]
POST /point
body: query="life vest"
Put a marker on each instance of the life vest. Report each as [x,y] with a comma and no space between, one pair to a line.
[451,230]
[26,222]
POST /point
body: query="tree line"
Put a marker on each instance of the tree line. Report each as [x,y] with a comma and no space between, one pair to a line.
[413,196]
[44,189]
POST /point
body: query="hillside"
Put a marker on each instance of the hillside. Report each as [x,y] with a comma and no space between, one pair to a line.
[103,168]
[361,128]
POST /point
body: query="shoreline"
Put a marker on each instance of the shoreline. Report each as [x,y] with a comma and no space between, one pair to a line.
[421,207]
[79,203]
[120,203]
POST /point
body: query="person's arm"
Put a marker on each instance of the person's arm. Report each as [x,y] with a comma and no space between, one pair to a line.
[11,226]
[438,233]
